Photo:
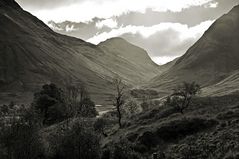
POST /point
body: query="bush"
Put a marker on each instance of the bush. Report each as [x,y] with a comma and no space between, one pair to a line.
[131,107]
[78,142]
[19,138]
[122,150]
[100,125]
[50,104]
[174,130]
[87,108]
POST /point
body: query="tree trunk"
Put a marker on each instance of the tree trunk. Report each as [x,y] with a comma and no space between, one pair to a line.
[181,111]
[119,117]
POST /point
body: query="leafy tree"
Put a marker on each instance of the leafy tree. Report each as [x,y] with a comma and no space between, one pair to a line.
[78,143]
[50,104]
[124,150]
[131,107]
[4,109]
[87,108]
[182,96]
[19,138]
[119,98]
[75,94]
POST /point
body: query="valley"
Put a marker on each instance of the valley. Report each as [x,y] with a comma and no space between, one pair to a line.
[62,97]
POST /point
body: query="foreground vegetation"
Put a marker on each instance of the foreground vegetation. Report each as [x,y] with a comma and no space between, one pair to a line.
[63,123]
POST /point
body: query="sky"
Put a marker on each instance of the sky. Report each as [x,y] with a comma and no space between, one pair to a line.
[164,28]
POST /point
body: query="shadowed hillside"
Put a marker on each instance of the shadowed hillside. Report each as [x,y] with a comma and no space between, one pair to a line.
[32,54]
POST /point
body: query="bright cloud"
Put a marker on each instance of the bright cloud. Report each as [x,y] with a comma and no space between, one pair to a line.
[183,31]
[87,9]
[111,23]
[70,28]
[163,42]
[212,5]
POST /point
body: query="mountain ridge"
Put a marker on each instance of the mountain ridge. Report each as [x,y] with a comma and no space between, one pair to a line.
[32,54]
[211,59]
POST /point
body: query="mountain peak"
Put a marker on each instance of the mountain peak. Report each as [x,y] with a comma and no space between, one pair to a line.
[115,40]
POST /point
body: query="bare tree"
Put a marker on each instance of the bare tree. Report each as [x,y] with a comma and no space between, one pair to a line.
[119,97]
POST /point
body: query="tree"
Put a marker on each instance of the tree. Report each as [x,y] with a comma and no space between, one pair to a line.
[75,93]
[100,125]
[19,138]
[87,108]
[78,143]
[119,98]
[131,107]
[124,149]
[182,96]
[4,109]
[50,103]
[78,100]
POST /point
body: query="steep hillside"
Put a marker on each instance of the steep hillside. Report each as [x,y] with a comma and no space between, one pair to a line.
[214,57]
[31,54]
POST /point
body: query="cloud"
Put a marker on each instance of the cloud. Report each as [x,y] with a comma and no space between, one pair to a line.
[84,10]
[182,30]
[212,5]
[110,23]
[163,40]
[191,16]
[165,28]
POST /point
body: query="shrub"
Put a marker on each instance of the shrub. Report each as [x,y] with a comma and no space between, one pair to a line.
[19,138]
[87,108]
[100,125]
[124,150]
[78,142]
[131,107]
[50,105]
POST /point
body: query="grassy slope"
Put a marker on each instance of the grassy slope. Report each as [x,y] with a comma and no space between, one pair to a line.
[224,87]
[210,127]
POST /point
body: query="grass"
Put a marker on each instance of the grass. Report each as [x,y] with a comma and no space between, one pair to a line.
[208,129]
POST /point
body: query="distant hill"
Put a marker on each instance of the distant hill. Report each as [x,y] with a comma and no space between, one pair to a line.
[211,59]
[31,54]
[124,57]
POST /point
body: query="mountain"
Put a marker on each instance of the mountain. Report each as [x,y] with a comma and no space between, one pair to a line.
[211,59]
[122,56]
[31,54]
